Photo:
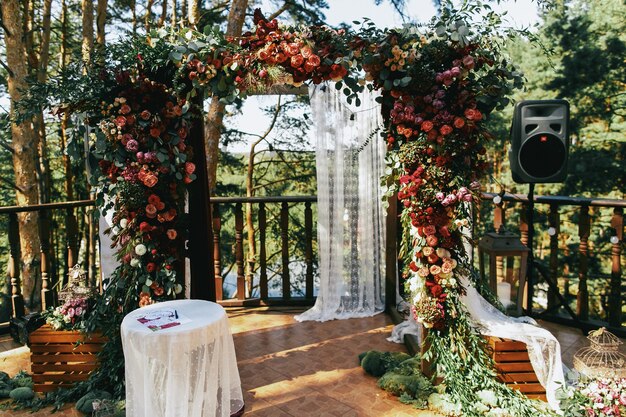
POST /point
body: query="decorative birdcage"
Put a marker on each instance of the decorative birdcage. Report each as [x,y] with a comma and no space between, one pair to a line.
[77,285]
[104,408]
[602,359]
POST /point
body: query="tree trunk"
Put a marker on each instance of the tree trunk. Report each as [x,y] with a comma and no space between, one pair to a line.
[42,76]
[87,43]
[173,17]
[101,18]
[163,14]
[25,153]
[194,13]
[148,16]
[215,116]
[133,14]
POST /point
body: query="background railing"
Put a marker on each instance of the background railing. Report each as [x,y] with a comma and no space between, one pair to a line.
[578,246]
[64,229]
[273,275]
[584,261]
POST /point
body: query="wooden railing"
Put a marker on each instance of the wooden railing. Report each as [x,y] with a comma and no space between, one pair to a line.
[282,218]
[58,251]
[280,211]
[550,265]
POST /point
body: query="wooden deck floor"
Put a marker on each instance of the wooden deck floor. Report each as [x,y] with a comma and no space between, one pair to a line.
[304,369]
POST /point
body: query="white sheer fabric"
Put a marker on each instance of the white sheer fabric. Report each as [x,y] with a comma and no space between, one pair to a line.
[185,371]
[544,349]
[351,223]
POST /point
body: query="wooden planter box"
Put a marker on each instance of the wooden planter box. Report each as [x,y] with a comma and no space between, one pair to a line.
[514,367]
[61,358]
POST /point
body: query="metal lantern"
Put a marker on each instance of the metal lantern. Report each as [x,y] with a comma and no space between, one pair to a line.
[503,259]
[602,359]
[77,286]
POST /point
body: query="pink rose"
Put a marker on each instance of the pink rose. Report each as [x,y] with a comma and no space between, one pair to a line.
[190,167]
[435,269]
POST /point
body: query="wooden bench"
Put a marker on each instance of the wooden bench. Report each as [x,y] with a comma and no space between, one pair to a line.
[59,358]
[514,367]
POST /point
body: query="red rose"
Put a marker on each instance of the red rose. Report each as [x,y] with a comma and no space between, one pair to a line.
[430,230]
[473,114]
[427,126]
[306,51]
[154,199]
[432,258]
[313,60]
[151,211]
[413,266]
[145,115]
[160,205]
[151,267]
[120,121]
[291,49]
[190,167]
[432,240]
[445,130]
[145,227]
[280,57]
[297,61]
[155,132]
[125,109]
[436,290]
[459,122]
[171,234]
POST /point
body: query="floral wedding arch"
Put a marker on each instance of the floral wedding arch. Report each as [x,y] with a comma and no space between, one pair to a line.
[438,84]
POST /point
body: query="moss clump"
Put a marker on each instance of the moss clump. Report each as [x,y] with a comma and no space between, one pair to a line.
[377,363]
[85,403]
[22,394]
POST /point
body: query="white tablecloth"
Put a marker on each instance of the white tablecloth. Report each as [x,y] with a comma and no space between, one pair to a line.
[185,371]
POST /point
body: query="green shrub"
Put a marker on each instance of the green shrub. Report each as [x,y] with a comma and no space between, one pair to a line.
[85,403]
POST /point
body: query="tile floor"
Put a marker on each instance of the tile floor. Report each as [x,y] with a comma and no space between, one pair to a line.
[304,369]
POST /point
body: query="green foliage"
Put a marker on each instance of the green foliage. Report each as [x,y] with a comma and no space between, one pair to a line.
[377,363]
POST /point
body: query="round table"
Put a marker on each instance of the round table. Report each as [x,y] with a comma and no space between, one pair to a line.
[188,370]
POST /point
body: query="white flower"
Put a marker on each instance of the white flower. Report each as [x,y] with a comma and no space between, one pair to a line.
[141,249]
[178,289]
[414,284]
[134,262]
[123,223]
[488,397]
[115,230]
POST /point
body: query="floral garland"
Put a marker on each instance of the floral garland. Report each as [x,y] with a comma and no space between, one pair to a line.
[145,162]
[598,397]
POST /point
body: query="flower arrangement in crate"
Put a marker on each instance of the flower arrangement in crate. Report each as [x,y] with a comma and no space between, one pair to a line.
[76,298]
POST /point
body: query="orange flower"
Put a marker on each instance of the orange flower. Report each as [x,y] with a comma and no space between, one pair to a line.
[125,109]
[150,180]
[171,234]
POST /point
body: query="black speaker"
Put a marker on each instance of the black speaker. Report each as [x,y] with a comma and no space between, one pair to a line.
[539,141]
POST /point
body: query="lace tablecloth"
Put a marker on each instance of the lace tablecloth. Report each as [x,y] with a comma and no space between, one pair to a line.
[189,370]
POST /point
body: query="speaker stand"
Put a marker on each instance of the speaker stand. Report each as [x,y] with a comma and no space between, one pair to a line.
[530,270]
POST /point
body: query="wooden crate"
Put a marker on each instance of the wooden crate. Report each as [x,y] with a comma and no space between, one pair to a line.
[514,367]
[61,358]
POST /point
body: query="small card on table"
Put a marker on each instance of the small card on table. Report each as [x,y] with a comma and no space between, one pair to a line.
[162,319]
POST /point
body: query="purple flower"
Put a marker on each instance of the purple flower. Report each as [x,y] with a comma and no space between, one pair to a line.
[132,145]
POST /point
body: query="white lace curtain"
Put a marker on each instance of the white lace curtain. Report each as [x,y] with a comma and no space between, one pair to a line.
[351,221]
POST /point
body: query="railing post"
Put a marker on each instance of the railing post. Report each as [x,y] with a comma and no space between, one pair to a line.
[241,279]
[308,251]
[72,237]
[498,221]
[582,298]
[217,256]
[17,300]
[47,295]
[284,234]
[262,252]
[554,222]
[391,253]
[615,298]
[523,224]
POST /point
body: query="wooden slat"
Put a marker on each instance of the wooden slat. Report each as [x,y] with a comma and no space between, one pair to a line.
[65,348]
[518,377]
[50,387]
[508,346]
[41,338]
[500,357]
[63,367]
[515,367]
[64,357]
[64,377]
[528,388]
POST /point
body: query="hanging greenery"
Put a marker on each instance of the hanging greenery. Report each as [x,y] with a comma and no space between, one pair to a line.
[438,85]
